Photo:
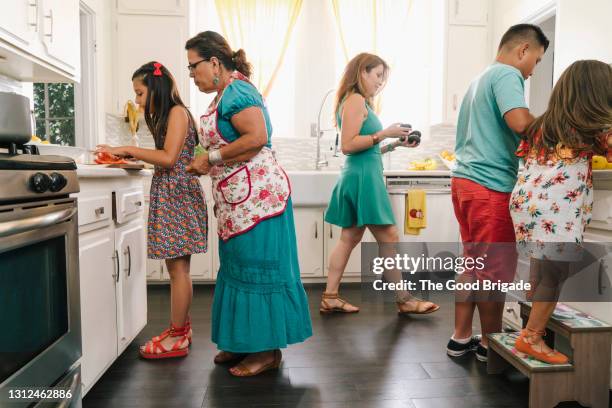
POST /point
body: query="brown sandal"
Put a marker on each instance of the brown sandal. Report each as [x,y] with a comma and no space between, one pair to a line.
[327,309]
[240,370]
[418,311]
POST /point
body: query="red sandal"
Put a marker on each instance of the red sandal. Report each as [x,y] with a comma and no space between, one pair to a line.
[154,349]
[166,332]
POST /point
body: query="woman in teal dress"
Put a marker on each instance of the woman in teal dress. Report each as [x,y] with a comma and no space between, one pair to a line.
[259,304]
[360,199]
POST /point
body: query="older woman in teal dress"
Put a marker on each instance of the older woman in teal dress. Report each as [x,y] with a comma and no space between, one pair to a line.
[360,198]
[259,304]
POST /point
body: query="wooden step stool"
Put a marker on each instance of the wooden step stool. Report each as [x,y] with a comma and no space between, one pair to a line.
[586,379]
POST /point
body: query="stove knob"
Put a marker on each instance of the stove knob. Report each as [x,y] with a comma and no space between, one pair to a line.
[58,182]
[40,182]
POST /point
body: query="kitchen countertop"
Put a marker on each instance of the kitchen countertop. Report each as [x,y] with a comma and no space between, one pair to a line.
[98,171]
[417,173]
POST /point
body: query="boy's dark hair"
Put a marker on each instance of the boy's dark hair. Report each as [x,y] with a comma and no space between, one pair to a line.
[524,33]
[162,96]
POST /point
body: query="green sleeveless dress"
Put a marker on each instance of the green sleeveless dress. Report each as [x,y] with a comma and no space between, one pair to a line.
[360,197]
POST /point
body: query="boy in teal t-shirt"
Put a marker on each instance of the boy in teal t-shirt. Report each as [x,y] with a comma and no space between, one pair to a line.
[492,116]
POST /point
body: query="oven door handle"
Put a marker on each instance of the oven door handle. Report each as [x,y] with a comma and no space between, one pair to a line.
[40,221]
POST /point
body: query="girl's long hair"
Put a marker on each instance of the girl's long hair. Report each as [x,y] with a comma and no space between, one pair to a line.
[579,110]
[352,82]
[162,95]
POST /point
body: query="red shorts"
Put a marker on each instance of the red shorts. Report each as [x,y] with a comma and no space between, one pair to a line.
[484,222]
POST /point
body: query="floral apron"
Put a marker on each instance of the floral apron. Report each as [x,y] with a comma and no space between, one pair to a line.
[245,193]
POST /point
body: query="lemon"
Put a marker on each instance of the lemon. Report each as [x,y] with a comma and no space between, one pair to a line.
[609,166]
[599,162]
[35,139]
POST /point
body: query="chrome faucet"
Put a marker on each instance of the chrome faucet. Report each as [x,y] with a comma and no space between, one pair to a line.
[319,133]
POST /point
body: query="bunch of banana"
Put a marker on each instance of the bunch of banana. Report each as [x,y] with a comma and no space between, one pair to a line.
[427,164]
[446,155]
[131,116]
[601,163]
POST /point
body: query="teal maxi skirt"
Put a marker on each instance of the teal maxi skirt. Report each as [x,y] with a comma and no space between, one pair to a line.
[259,301]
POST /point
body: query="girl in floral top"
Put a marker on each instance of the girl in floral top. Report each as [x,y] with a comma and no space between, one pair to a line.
[552,200]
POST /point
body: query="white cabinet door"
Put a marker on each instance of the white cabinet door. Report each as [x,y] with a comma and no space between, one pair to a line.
[61,34]
[131,285]
[98,303]
[332,237]
[201,266]
[309,234]
[131,52]
[163,7]
[470,12]
[467,56]
[19,22]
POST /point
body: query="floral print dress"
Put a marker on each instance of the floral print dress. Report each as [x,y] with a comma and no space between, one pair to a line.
[552,202]
[178,219]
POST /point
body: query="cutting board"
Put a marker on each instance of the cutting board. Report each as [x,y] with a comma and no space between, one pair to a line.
[125,166]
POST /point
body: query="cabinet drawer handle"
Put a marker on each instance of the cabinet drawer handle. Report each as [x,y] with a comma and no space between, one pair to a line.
[511,310]
[34,6]
[455,102]
[99,211]
[116,257]
[129,254]
[316,230]
[331,231]
[138,203]
[50,17]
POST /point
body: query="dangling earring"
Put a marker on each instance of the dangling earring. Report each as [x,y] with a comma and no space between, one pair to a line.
[216,80]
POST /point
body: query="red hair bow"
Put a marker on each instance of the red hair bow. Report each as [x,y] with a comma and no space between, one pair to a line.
[157,71]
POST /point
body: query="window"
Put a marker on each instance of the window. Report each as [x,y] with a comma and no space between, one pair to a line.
[54,112]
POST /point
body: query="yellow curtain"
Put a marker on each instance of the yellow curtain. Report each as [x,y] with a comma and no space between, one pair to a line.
[263,29]
[372,26]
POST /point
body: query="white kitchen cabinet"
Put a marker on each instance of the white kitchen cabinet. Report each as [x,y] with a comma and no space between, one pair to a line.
[61,34]
[131,282]
[201,266]
[98,303]
[130,52]
[19,24]
[112,259]
[163,7]
[467,55]
[468,12]
[41,40]
[310,234]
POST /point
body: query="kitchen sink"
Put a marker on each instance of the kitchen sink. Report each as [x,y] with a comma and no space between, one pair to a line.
[312,187]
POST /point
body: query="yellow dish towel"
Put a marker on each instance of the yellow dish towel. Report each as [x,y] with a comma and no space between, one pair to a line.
[415,218]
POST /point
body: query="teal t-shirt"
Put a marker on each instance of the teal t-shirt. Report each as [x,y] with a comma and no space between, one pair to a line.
[485,146]
[238,96]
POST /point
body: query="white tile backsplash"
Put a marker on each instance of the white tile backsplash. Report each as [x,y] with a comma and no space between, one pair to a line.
[300,153]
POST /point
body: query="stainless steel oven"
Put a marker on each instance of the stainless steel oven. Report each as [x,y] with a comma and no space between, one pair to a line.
[40,340]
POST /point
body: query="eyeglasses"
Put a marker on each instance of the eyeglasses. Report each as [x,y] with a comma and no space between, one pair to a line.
[191,67]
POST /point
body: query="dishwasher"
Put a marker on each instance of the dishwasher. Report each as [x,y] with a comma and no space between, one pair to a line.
[440,238]
[442,225]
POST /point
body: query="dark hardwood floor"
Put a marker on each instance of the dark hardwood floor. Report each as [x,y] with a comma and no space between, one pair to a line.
[370,359]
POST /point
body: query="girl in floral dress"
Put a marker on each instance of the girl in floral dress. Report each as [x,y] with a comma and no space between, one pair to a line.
[177,213]
[552,201]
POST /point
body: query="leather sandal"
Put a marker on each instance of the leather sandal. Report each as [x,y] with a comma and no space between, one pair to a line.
[325,307]
[525,346]
[240,370]
[225,357]
[418,311]
[154,349]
